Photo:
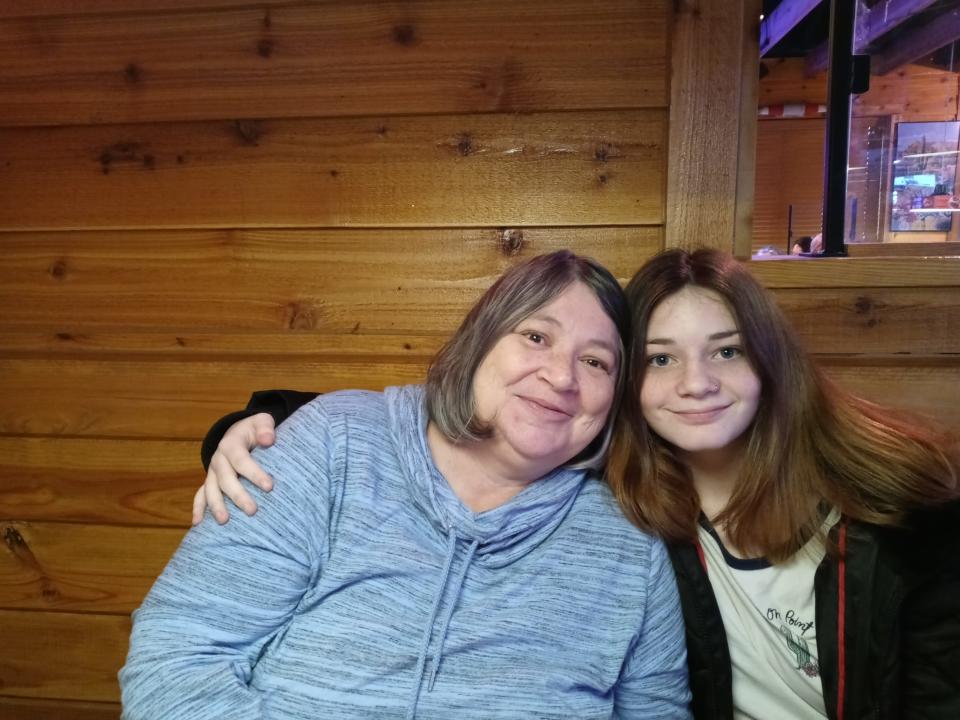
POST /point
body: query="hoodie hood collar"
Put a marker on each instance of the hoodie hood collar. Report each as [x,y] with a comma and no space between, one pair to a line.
[502,534]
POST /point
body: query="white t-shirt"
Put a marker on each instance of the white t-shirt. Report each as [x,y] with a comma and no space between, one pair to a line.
[769,615]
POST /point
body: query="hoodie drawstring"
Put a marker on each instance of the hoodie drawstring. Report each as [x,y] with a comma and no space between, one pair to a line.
[428,631]
[449,614]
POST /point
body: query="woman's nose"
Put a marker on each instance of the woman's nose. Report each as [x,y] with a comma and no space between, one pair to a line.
[559,370]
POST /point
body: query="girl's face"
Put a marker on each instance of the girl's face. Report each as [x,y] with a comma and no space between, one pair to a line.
[699,392]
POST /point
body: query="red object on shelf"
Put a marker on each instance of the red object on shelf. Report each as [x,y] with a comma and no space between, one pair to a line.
[792,110]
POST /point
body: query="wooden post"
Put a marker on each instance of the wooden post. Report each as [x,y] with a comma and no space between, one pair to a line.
[713,117]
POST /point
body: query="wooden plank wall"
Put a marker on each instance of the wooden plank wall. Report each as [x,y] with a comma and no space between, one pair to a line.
[200,198]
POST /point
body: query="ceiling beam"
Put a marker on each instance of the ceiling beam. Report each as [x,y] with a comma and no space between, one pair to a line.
[877,21]
[784,18]
[934,34]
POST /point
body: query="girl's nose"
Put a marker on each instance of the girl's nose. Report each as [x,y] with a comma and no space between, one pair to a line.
[697,380]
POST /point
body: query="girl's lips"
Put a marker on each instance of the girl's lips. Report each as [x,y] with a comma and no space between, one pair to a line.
[699,417]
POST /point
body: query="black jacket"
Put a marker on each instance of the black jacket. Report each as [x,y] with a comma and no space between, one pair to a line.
[899,595]
[281,404]
[896,594]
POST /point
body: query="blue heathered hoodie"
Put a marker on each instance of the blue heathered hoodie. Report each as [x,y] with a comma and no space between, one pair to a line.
[364,588]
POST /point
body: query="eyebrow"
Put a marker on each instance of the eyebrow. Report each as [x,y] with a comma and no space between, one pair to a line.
[715,336]
[595,341]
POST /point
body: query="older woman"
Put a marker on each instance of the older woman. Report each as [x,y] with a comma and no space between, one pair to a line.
[434,552]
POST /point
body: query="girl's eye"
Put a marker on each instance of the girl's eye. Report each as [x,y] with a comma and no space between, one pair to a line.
[533,337]
[658,360]
[729,353]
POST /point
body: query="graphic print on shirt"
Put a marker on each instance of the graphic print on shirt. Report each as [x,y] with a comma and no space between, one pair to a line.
[793,629]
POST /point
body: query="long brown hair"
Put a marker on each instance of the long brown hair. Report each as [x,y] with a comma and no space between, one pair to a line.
[811,444]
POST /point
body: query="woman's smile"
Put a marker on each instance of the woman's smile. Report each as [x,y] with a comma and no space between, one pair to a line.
[549,410]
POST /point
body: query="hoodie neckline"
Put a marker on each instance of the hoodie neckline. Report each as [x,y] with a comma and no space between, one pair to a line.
[503,533]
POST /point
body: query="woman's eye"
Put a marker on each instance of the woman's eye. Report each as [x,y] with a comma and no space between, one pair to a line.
[729,353]
[533,337]
[596,363]
[658,360]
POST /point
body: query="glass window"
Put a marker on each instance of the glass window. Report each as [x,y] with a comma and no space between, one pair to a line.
[902,195]
[904,131]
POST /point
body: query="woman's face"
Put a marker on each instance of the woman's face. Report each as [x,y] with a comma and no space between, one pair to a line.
[547,386]
[699,392]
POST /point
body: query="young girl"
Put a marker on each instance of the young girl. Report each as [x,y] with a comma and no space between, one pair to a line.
[813,534]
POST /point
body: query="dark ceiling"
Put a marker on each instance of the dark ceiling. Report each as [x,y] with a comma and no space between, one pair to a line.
[807,35]
[935,23]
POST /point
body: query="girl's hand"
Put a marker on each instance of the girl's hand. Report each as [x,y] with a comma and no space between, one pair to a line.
[231,459]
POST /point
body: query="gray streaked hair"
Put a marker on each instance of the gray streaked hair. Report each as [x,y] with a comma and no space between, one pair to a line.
[517,294]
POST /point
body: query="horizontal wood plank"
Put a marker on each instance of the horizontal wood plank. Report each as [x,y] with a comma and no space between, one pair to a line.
[866,322]
[74,286]
[80,568]
[334,59]
[914,93]
[592,168]
[24,709]
[799,272]
[45,8]
[859,321]
[163,398]
[784,80]
[135,482]
[932,391]
[64,656]
[300,342]
[167,399]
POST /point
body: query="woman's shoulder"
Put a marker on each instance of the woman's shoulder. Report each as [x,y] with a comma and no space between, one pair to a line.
[323,425]
[345,401]
[598,509]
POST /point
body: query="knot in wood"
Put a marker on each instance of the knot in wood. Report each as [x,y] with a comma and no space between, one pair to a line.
[248,131]
[300,316]
[13,538]
[405,35]
[132,73]
[58,270]
[863,305]
[464,144]
[511,241]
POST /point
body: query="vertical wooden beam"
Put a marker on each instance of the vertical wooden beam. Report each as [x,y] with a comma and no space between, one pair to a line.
[747,144]
[713,115]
